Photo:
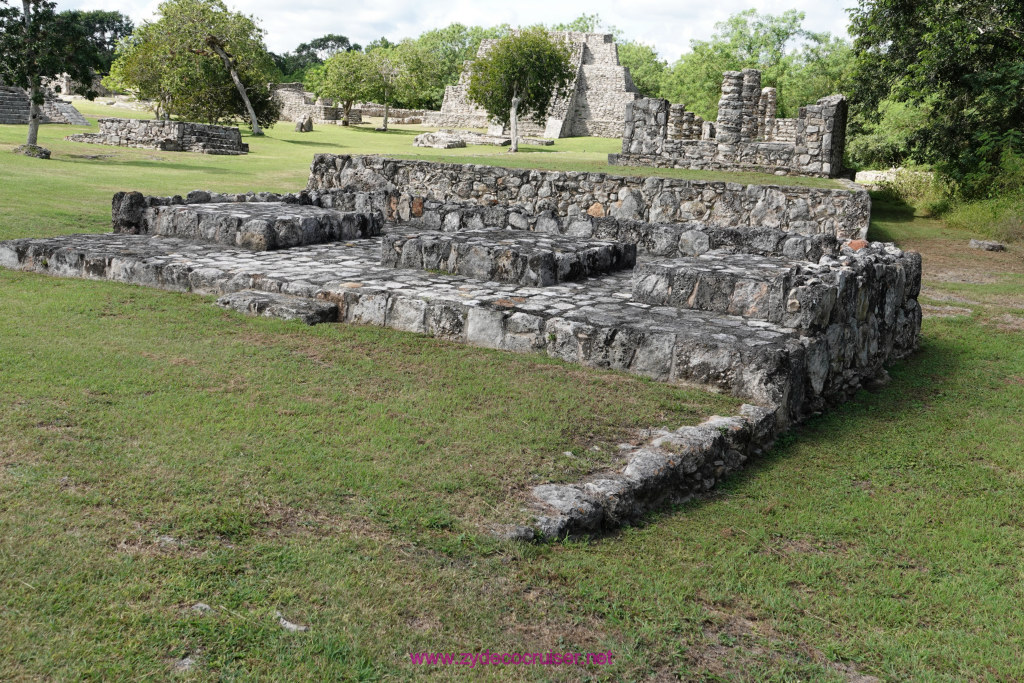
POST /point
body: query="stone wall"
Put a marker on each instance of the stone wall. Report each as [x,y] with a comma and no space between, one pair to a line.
[598,94]
[571,195]
[746,136]
[171,136]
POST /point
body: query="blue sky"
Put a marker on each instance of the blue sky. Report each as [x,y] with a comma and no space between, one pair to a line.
[669,26]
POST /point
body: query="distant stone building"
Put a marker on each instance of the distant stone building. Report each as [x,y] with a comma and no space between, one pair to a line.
[595,106]
[747,136]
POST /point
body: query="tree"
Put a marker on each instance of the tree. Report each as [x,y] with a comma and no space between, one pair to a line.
[744,40]
[105,30]
[440,55]
[966,60]
[295,65]
[197,59]
[341,78]
[644,66]
[383,74]
[529,70]
[37,43]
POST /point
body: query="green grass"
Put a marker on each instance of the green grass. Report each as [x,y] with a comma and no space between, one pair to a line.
[156,452]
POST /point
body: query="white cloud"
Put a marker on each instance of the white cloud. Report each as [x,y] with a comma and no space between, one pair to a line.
[669,26]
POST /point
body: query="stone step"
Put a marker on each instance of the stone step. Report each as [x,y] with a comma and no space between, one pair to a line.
[282,306]
[781,291]
[262,226]
[509,256]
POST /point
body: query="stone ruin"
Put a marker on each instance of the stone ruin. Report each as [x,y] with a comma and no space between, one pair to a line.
[764,292]
[298,104]
[15,104]
[595,105]
[168,136]
[746,136]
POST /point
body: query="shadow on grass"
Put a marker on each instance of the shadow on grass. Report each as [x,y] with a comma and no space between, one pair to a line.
[312,143]
[928,373]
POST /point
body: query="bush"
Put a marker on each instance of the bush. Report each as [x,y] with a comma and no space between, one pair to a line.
[1001,215]
[922,189]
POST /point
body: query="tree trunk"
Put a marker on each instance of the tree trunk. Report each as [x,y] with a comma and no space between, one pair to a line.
[346,108]
[33,89]
[385,112]
[514,117]
[229,65]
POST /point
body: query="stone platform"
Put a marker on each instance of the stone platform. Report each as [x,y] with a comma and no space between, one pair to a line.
[261,226]
[508,256]
[593,321]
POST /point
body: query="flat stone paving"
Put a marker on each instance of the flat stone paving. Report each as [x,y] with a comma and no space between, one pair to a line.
[509,256]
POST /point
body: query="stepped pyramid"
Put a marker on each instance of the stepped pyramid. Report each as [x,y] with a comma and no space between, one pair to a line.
[595,106]
[14,106]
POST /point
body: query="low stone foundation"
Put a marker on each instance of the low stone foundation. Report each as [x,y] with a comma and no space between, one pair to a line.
[168,136]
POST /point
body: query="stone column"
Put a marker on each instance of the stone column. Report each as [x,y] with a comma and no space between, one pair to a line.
[766,109]
[751,94]
[730,109]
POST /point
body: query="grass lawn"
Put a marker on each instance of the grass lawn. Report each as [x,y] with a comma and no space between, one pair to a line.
[157,452]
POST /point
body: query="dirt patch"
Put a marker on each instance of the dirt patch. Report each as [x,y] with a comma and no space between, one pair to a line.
[929,311]
[280,519]
[735,642]
[1010,323]
[806,546]
[939,295]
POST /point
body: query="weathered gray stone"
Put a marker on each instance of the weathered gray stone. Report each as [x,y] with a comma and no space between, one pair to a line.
[281,306]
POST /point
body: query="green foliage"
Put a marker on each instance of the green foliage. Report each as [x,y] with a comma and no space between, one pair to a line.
[172,61]
[105,30]
[1001,216]
[295,65]
[890,139]
[448,49]
[802,66]
[526,70]
[644,65]
[52,44]
[967,60]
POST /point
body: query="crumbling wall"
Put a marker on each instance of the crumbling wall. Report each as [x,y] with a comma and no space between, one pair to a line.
[170,136]
[746,136]
[799,210]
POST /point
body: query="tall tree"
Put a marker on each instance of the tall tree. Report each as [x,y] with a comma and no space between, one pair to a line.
[644,65]
[527,69]
[105,30]
[295,65]
[206,62]
[965,60]
[37,43]
[342,78]
[448,49]
[745,40]
[383,77]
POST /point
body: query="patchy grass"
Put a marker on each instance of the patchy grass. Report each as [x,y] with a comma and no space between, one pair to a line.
[156,453]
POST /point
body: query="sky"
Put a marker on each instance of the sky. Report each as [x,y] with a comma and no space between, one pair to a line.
[668,25]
